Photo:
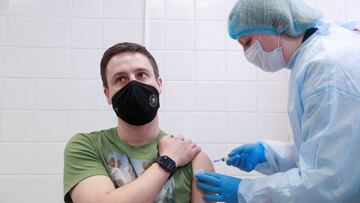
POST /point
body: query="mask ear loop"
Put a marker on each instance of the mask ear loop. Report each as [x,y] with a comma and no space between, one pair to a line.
[259,39]
[279,41]
[259,42]
[281,49]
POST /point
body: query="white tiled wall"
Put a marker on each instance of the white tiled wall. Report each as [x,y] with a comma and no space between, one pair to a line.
[50,86]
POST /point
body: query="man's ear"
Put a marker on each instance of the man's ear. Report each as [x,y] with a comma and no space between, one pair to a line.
[159,83]
[107,95]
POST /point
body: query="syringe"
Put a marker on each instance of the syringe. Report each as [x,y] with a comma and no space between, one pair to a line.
[221,159]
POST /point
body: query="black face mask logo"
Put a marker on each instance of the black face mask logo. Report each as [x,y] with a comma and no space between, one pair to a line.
[136,103]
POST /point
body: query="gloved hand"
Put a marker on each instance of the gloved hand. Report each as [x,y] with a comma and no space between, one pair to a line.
[247,156]
[221,187]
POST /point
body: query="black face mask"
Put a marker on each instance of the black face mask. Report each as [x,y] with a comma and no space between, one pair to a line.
[136,103]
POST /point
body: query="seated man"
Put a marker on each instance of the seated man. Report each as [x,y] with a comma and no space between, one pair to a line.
[136,161]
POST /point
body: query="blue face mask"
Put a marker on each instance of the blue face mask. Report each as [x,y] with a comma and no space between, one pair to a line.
[268,61]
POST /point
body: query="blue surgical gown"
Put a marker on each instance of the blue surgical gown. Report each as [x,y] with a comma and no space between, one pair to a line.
[323,164]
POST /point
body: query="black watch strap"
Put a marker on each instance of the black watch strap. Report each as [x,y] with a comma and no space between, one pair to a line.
[167,164]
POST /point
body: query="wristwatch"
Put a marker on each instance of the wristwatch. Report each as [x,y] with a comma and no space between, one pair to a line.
[167,164]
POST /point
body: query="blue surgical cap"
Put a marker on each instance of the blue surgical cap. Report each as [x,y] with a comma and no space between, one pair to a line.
[291,17]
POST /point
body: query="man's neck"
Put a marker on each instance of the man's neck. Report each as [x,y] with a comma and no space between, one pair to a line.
[138,135]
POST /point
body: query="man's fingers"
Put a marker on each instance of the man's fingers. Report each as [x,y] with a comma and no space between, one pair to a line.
[169,136]
[179,137]
[188,141]
[196,150]
[181,149]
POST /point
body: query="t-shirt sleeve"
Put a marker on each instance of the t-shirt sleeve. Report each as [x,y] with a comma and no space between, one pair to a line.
[81,160]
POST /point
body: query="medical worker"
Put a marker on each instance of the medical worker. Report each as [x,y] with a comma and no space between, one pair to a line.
[323,164]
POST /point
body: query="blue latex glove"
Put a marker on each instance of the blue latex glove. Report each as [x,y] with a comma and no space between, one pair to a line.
[247,156]
[221,187]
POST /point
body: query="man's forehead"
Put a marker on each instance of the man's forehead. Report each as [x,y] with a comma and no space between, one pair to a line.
[128,57]
[126,61]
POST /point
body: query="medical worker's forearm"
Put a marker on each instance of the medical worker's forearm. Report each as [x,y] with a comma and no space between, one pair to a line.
[280,157]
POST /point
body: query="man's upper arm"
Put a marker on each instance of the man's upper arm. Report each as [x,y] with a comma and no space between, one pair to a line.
[92,189]
[80,162]
[200,162]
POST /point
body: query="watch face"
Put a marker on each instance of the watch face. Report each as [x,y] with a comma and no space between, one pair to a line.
[167,164]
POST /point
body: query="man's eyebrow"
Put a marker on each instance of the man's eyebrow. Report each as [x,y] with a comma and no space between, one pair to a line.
[117,74]
[142,69]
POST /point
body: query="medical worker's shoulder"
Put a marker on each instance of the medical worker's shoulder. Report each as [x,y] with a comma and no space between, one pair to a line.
[332,46]
[330,63]
[201,162]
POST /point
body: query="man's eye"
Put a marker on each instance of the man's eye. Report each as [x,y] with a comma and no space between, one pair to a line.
[141,74]
[120,79]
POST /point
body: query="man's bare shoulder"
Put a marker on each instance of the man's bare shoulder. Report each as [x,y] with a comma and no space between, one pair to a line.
[202,161]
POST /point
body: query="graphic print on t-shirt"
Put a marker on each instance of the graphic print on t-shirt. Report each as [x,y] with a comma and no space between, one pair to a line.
[121,172]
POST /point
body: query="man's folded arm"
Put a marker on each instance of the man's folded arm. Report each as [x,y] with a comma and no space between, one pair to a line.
[100,189]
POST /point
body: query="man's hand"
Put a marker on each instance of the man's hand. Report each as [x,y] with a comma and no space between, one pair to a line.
[179,149]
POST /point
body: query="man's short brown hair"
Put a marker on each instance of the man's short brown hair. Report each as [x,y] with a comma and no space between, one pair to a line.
[125,47]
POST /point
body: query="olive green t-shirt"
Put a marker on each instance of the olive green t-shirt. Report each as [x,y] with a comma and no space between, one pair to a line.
[103,153]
